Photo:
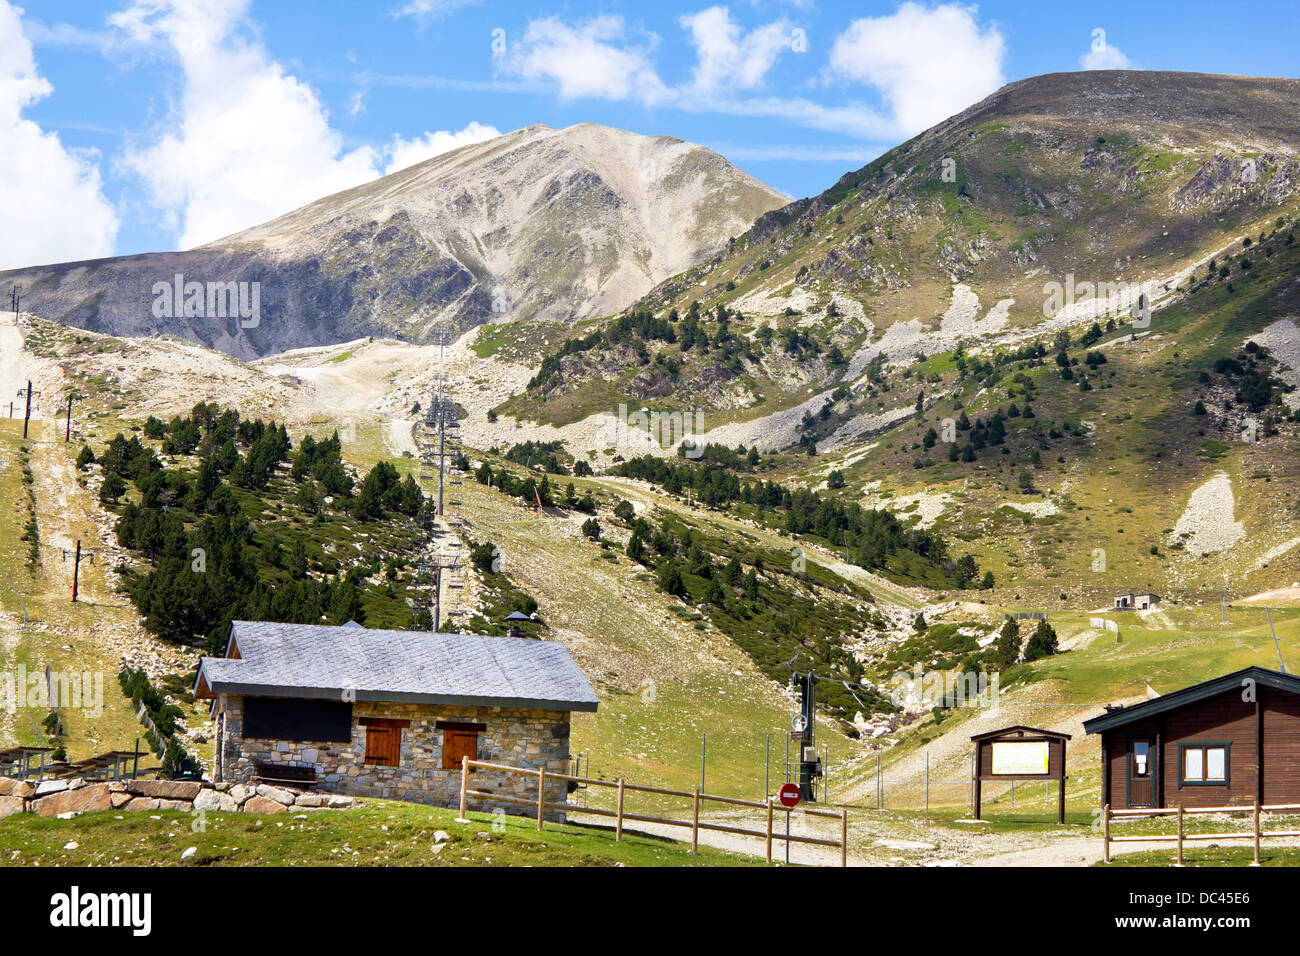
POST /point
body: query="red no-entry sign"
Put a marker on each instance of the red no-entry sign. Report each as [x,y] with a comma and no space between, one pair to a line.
[789,796]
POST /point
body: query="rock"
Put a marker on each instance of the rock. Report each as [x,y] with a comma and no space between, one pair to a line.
[175,805]
[84,799]
[228,804]
[339,802]
[260,804]
[240,792]
[69,815]
[10,787]
[70,845]
[46,787]
[11,805]
[119,798]
[275,793]
[141,803]
[441,836]
[166,789]
[208,800]
[76,783]
[309,800]
[189,852]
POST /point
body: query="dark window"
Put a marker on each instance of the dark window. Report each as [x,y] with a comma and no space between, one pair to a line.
[286,718]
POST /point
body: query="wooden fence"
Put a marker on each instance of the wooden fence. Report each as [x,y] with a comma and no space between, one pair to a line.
[1256,832]
[695,824]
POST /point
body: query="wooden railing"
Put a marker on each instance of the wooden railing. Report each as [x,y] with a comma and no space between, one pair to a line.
[620,814]
[1256,832]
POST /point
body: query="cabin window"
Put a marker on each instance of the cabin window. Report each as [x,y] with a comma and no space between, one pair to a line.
[459,740]
[1205,763]
[383,740]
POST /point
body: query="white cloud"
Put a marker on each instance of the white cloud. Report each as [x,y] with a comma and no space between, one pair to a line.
[728,58]
[245,141]
[927,63]
[1104,56]
[432,9]
[401,153]
[588,60]
[54,207]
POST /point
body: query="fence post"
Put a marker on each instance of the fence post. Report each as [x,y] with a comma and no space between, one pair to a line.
[879,792]
[618,822]
[695,822]
[927,781]
[844,837]
[769,829]
[1180,836]
[464,785]
[1256,860]
[541,796]
[1105,833]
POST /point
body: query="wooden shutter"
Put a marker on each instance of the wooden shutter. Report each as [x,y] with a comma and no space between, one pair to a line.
[457,744]
[383,745]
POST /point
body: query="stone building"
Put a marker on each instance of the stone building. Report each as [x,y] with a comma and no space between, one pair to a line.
[390,714]
[1136,600]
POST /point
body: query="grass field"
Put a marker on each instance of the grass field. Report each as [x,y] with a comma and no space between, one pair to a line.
[379,834]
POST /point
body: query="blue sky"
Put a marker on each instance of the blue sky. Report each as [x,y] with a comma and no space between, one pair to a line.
[143,125]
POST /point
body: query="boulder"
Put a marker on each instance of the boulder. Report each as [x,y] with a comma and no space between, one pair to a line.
[228,804]
[275,793]
[337,801]
[141,803]
[240,792]
[174,804]
[84,799]
[208,800]
[11,805]
[260,804]
[164,789]
[10,787]
[309,800]
[46,787]
[120,798]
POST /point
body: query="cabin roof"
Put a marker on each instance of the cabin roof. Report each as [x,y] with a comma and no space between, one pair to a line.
[268,659]
[1120,716]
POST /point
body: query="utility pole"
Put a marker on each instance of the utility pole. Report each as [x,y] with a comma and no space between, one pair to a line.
[76,571]
[27,416]
[15,298]
[67,432]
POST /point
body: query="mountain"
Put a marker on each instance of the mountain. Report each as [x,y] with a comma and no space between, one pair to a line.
[959,237]
[535,224]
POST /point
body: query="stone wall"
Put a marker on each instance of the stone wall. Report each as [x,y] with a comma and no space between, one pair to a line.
[52,798]
[513,736]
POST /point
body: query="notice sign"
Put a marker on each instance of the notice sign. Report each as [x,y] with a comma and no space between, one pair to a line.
[1020,757]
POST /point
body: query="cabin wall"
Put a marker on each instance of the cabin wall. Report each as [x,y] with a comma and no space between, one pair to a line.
[512,736]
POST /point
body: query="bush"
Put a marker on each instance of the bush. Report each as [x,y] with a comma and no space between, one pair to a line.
[1042,643]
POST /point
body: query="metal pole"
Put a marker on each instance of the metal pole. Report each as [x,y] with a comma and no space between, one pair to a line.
[704,749]
[28,416]
[76,569]
[67,433]
[826,774]
[880,793]
[437,597]
[787,837]
[442,418]
[767,767]
[1281,663]
[927,781]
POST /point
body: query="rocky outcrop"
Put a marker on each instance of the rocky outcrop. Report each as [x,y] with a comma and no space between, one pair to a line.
[52,798]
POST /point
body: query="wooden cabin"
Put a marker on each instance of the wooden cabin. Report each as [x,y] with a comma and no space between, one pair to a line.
[1231,740]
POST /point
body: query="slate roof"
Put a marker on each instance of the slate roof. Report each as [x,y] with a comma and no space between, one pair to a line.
[1119,716]
[356,663]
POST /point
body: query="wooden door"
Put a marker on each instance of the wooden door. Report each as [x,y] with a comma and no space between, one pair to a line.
[1141,770]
